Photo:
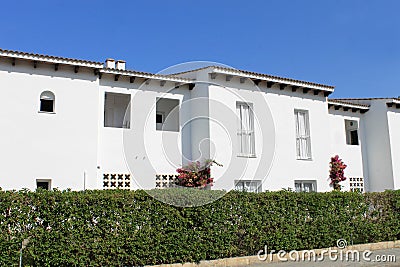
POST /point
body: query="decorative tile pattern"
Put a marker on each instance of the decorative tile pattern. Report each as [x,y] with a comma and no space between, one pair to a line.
[356,184]
[114,181]
[165,180]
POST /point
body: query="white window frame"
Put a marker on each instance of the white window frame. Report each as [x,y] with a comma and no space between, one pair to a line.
[302,187]
[302,138]
[245,135]
[244,183]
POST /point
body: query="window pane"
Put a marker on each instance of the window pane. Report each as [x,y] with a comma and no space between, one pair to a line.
[239,186]
[354,137]
[245,129]
[46,105]
[297,187]
[303,141]
[159,118]
[43,185]
[248,186]
[305,186]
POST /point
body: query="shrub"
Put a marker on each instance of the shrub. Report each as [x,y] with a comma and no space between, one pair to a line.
[196,174]
[336,173]
[130,228]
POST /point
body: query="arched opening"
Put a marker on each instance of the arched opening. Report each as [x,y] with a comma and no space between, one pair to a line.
[47,100]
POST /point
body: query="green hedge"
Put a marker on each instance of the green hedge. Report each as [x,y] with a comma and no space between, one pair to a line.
[127,228]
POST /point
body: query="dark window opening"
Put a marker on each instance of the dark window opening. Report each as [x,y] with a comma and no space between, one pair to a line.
[354,137]
[159,118]
[43,185]
[46,105]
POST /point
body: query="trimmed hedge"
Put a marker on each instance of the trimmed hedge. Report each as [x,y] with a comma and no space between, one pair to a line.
[127,228]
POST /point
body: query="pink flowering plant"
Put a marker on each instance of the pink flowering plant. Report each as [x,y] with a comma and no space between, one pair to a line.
[196,174]
[336,173]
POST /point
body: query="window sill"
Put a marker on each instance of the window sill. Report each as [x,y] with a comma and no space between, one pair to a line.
[246,156]
[169,131]
[115,127]
[46,112]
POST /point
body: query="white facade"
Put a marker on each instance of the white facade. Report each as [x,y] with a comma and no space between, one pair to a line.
[76,124]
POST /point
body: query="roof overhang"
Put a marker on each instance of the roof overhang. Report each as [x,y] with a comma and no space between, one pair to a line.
[147,76]
[49,59]
[346,106]
[296,85]
[394,103]
[97,67]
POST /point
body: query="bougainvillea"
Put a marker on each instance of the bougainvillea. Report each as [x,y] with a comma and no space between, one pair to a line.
[336,173]
[196,174]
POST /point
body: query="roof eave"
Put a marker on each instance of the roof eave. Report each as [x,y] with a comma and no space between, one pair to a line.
[146,75]
[272,79]
[39,58]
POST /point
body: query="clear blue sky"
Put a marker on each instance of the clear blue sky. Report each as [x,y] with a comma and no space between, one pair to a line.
[352,44]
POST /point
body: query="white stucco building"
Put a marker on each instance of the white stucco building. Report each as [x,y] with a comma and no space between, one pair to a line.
[69,123]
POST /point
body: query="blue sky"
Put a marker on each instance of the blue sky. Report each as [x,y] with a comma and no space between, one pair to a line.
[353,44]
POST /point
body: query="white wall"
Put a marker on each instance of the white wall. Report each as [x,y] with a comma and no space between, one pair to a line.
[60,146]
[350,154]
[275,138]
[141,150]
[394,133]
[380,164]
[73,140]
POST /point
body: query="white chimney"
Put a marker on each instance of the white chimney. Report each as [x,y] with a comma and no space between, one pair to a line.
[120,64]
[110,63]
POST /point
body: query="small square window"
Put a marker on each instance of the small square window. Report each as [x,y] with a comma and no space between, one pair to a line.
[305,186]
[248,186]
[44,184]
[47,100]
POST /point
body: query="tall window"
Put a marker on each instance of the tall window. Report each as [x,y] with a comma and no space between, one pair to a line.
[47,100]
[303,141]
[351,132]
[245,130]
